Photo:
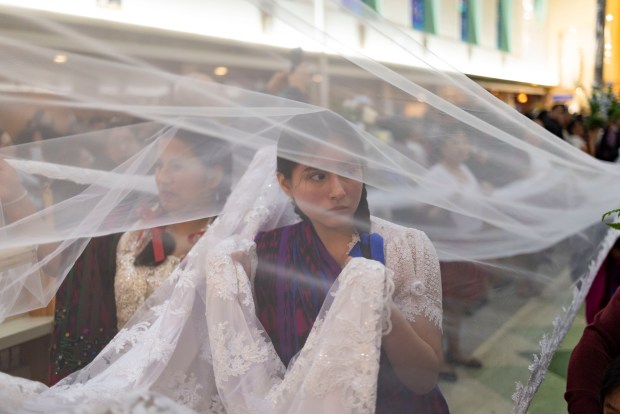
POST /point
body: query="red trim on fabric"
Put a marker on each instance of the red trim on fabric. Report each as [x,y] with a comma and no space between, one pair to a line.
[158,244]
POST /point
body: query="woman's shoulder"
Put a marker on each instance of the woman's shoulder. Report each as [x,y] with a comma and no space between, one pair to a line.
[389,230]
[128,238]
[412,257]
[130,242]
[403,241]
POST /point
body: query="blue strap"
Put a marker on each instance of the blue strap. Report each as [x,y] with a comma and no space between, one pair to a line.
[372,242]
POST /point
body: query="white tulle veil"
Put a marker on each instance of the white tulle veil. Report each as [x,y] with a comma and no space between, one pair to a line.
[534,218]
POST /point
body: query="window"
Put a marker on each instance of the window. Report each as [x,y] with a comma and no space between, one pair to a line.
[371,3]
[468,27]
[502,25]
[356,7]
[422,17]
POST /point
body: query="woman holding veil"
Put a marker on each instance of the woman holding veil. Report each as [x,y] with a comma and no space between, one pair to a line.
[297,264]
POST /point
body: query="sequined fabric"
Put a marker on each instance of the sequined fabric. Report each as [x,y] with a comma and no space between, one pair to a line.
[133,284]
[85,315]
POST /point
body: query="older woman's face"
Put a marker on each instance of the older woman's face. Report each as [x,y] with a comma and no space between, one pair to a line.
[181,177]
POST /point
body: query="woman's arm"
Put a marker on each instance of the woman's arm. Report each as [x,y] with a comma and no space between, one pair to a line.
[17,205]
[414,349]
[414,345]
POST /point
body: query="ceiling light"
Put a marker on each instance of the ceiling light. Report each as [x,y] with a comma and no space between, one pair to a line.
[220,71]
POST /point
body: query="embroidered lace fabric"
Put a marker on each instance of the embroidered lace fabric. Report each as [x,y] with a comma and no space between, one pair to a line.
[417,281]
[196,345]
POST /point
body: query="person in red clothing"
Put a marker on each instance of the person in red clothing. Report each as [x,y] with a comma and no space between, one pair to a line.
[591,357]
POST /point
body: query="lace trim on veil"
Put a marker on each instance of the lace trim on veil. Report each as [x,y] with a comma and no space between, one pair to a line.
[524,394]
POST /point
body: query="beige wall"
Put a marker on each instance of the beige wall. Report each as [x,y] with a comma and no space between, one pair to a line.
[571,41]
[448,24]
[397,11]
[554,49]
[487,27]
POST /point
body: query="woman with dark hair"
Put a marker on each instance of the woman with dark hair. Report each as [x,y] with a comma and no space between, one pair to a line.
[576,135]
[297,264]
[190,172]
[464,285]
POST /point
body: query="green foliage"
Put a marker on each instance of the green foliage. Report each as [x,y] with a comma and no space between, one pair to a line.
[609,213]
[604,108]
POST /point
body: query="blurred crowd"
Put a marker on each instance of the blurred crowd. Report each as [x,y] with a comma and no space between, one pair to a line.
[601,141]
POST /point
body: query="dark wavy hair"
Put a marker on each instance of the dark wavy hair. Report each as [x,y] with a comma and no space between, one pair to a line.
[325,126]
[212,152]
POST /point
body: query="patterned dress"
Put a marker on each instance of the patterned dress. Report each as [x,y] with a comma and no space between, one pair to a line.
[85,314]
[294,274]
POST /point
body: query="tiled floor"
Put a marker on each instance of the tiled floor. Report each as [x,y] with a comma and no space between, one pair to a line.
[513,330]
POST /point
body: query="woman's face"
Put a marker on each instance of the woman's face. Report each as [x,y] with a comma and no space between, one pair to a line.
[578,129]
[328,199]
[182,180]
[456,149]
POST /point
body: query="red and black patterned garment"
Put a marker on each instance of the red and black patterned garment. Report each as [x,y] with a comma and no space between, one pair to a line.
[85,315]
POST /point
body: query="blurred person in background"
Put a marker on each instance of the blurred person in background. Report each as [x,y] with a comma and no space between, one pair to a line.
[556,120]
[576,134]
[38,129]
[591,358]
[607,148]
[6,144]
[406,137]
[292,84]
[464,285]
